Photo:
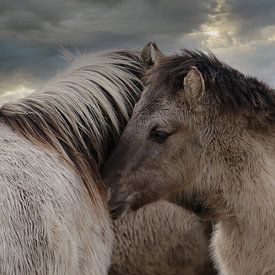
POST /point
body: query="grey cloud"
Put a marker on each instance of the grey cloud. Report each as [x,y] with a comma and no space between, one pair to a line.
[31,32]
[25,57]
[250,17]
[60,21]
[258,62]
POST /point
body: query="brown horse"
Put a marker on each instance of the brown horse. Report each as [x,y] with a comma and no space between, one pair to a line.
[205,132]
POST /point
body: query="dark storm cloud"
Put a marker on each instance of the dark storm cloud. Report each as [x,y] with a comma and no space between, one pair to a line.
[250,17]
[43,20]
[32,31]
[246,37]
[22,56]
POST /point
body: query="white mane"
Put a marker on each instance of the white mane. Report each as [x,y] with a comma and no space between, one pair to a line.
[81,111]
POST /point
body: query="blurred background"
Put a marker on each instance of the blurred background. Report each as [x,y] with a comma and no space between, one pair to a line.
[241,33]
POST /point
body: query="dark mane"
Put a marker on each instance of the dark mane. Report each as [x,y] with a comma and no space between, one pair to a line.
[233,90]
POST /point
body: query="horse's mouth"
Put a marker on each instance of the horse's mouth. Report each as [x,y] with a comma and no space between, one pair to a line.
[122,204]
[118,204]
[120,208]
[116,210]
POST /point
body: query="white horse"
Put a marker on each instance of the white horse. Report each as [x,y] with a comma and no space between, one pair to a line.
[53,217]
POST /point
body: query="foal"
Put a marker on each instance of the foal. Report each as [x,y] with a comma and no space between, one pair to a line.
[205,132]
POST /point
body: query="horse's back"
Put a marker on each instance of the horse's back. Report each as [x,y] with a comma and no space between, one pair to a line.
[160,238]
[47,222]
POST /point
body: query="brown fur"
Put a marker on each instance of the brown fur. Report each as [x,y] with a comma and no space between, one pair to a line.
[160,238]
[205,132]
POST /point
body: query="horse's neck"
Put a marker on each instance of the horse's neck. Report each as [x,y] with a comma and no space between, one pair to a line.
[253,209]
[251,192]
[249,210]
[244,236]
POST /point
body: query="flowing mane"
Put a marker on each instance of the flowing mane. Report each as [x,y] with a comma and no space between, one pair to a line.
[80,113]
[233,90]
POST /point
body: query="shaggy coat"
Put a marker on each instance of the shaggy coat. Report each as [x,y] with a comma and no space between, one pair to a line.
[53,218]
[205,132]
[160,238]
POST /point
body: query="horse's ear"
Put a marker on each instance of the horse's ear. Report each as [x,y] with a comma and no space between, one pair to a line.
[193,83]
[150,54]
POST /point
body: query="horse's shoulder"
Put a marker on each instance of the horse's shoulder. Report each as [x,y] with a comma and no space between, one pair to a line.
[23,162]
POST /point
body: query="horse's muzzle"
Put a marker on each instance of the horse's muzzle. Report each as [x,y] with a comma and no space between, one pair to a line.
[117,205]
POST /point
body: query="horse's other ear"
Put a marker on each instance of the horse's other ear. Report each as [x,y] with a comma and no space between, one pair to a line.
[193,83]
[150,54]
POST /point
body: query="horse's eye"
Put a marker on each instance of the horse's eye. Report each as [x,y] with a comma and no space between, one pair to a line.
[159,136]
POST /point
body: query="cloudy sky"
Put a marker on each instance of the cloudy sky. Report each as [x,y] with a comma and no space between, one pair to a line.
[240,32]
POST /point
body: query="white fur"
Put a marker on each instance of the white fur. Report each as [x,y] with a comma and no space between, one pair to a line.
[48,222]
